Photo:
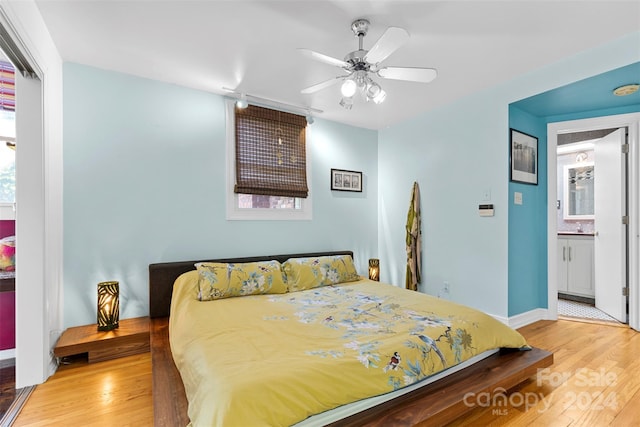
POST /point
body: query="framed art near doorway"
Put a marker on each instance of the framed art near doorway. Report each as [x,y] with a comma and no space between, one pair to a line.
[524,157]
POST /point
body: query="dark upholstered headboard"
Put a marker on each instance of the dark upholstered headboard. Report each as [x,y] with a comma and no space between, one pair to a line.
[163,275]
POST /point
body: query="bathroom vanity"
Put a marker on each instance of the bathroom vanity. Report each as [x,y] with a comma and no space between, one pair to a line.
[576,264]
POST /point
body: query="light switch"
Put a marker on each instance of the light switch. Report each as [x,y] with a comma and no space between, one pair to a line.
[517,198]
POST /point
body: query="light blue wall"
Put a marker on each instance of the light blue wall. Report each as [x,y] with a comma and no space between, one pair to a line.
[144,182]
[456,153]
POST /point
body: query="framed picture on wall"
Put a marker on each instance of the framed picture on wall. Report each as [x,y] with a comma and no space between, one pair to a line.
[345,180]
[523,157]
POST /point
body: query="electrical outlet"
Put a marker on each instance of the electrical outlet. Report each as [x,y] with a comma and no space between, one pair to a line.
[444,291]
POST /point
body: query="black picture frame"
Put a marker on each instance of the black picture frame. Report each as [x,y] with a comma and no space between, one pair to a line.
[346,180]
[523,157]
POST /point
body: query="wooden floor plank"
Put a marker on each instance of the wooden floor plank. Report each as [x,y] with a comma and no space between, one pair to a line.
[592,382]
[118,392]
[111,393]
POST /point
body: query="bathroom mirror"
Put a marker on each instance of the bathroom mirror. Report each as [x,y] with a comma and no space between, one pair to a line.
[578,191]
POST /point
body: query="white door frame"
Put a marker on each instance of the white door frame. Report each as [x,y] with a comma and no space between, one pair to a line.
[632,122]
[31,340]
[38,194]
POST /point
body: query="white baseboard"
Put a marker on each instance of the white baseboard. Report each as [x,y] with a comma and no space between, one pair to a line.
[526,318]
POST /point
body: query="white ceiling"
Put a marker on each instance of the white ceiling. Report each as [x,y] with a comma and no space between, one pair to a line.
[251,46]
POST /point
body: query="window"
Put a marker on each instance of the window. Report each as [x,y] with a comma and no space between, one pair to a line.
[7,133]
[267,166]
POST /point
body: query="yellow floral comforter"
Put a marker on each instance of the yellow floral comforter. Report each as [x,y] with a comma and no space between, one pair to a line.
[274,360]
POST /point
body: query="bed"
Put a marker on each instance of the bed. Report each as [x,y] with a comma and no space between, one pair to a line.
[436,403]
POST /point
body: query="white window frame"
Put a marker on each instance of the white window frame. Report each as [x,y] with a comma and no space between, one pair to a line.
[233,211]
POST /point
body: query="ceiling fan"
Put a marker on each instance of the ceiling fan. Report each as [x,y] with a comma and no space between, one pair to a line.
[361,64]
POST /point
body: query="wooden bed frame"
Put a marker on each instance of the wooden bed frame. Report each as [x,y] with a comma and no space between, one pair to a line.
[435,404]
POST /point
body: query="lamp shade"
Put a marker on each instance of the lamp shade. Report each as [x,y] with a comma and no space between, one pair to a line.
[374,269]
[108,305]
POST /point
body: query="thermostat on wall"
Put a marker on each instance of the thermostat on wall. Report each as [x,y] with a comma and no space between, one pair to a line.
[485,210]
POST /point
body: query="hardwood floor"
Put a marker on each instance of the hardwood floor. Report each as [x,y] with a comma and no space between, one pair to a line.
[112,393]
[595,381]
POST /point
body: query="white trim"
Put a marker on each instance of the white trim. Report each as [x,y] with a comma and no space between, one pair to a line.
[523,319]
[632,122]
[233,212]
[528,317]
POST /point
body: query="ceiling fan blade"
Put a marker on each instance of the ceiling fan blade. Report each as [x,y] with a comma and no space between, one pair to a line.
[391,40]
[323,58]
[322,85]
[412,74]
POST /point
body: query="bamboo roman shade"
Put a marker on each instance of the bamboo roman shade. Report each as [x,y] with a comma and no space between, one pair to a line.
[270,153]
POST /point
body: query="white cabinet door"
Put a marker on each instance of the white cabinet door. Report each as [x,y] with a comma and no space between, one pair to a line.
[580,267]
[562,265]
[576,265]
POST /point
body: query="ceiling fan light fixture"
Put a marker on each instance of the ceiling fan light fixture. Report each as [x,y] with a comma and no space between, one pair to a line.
[348,88]
[362,80]
[373,90]
[361,64]
[380,97]
[346,102]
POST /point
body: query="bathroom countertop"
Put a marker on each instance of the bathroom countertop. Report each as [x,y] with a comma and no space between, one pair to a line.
[575,233]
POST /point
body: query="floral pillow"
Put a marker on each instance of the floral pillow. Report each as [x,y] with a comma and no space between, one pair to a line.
[308,273]
[221,280]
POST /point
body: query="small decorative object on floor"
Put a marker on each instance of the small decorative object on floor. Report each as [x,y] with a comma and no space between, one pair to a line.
[108,305]
[374,269]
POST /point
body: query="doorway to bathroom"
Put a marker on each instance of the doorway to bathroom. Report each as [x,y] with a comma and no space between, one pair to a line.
[592,214]
[592,238]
